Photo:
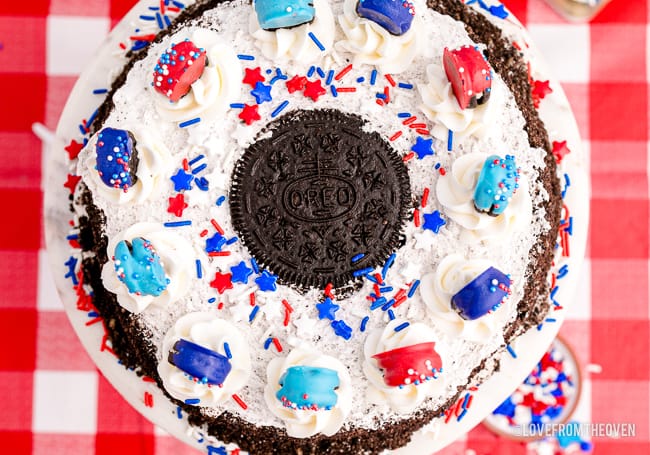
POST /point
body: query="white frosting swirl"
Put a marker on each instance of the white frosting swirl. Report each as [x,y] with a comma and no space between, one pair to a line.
[453,273]
[441,106]
[295,43]
[155,166]
[207,330]
[176,256]
[305,423]
[372,44]
[405,399]
[211,94]
[455,191]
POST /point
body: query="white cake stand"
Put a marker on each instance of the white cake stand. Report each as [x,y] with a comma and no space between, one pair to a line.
[529,347]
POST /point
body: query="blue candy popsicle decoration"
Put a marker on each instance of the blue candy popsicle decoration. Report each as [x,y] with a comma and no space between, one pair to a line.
[275,14]
[497,183]
[396,16]
[206,365]
[117,159]
[138,266]
[483,294]
[305,387]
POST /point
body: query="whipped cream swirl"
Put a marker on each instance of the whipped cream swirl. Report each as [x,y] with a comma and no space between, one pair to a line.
[453,273]
[176,256]
[155,166]
[406,398]
[455,191]
[207,330]
[372,44]
[305,423]
[440,106]
[211,94]
[294,43]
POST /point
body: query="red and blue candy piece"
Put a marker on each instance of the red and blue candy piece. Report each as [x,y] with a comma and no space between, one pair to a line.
[178,68]
[138,266]
[412,364]
[117,158]
[469,74]
[308,388]
[483,294]
[206,365]
[396,16]
[275,14]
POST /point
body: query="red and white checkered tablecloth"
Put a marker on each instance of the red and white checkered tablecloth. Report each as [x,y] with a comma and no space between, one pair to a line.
[54,401]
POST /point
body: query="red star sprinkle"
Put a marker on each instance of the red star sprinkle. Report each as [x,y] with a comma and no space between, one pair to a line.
[177,204]
[560,150]
[314,89]
[249,114]
[296,84]
[73,149]
[221,282]
[541,89]
[72,181]
[253,76]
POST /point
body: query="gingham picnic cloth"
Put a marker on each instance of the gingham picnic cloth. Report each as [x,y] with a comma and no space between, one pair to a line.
[52,399]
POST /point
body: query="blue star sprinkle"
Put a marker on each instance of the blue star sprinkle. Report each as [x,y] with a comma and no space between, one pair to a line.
[433,221]
[182,180]
[423,147]
[266,281]
[327,309]
[498,11]
[240,273]
[215,243]
[342,329]
[262,93]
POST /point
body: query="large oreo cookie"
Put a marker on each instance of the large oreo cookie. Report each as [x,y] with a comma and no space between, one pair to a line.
[317,192]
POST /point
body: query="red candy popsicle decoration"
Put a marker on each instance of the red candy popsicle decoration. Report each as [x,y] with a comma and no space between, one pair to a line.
[410,364]
[469,74]
[178,68]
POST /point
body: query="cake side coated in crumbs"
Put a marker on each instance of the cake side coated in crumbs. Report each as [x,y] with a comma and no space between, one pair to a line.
[130,338]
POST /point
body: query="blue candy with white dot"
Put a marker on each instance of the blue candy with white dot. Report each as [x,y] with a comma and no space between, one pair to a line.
[275,14]
[483,294]
[206,365]
[116,158]
[306,387]
[497,183]
[396,16]
[138,266]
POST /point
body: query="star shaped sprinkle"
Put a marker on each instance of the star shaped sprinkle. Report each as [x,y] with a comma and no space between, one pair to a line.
[249,114]
[541,89]
[314,89]
[241,273]
[252,76]
[177,204]
[560,150]
[327,309]
[433,221]
[71,182]
[182,180]
[296,84]
[423,147]
[499,11]
[221,282]
[342,329]
[215,243]
[262,93]
[266,281]
[73,149]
